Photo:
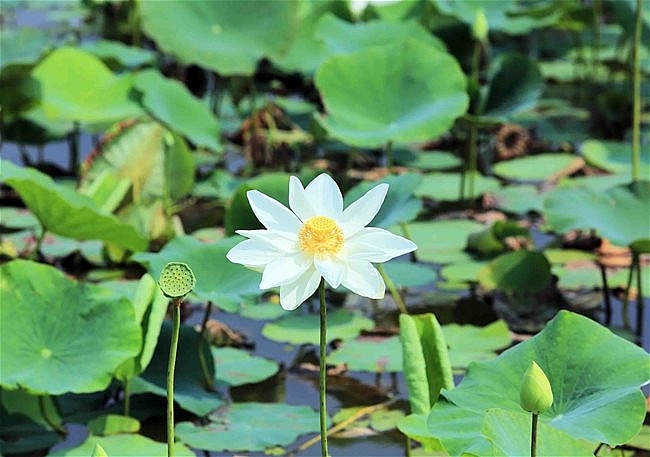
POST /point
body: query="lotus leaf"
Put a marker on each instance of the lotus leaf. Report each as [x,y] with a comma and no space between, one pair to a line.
[386,93]
[68,213]
[539,167]
[447,186]
[590,386]
[250,427]
[51,323]
[227,37]
[126,445]
[236,366]
[614,157]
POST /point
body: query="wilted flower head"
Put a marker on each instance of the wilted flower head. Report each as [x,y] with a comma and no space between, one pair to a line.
[316,238]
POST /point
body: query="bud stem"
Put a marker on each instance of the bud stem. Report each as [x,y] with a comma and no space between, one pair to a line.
[176,305]
[533,436]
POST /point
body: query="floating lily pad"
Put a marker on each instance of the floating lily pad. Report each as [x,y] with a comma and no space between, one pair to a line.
[590,386]
[399,205]
[217,279]
[51,324]
[518,199]
[116,54]
[386,93]
[621,214]
[406,274]
[112,424]
[296,328]
[250,427]
[262,311]
[236,366]
[23,45]
[189,383]
[426,160]
[65,212]
[173,104]
[229,38]
[375,355]
[77,86]
[615,157]
[122,445]
[446,186]
[442,241]
[538,168]
[463,271]
[468,343]
[17,218]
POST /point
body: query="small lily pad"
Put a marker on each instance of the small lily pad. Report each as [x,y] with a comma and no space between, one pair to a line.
[262,311]
[17,218]
[442,241]
[538,168]
[375,355]
[112,424]
[250,427]
[613,156]
[468,343]
[518,199]
[406,274]
[236,367]
[446,186]
[296,328]
[127,445]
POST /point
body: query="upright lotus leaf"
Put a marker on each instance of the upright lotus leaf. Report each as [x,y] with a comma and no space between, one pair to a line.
[65,212]
[343,37]
[58,335]
[156,161]
[173,104]
[590,385]
[387,93]
[621,213]
[251,427]
[427,368]
[400,205]
[515,85]
[518,271]
[227,37]
[77,86]
[190,391]
[217,279]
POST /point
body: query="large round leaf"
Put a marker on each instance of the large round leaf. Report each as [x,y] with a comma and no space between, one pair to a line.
[621,214]
[227,37]
[59,335]
[395,93]
[250,427]
[77,86]
[217,279]
[590,385]
[126,445]
[68,213]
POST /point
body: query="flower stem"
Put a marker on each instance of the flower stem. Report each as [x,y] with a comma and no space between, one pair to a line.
[533,436]
[176,304]
[322,380]
[393,290]
[636,103]
[127,397]
[207,379]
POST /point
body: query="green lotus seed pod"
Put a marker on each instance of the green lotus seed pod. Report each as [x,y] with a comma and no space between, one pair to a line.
[176,280]
[99,451]
[535,395]
[480,28]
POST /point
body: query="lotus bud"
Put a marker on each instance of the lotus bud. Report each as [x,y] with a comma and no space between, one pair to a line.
[176,280]
[535,395]
[480,28]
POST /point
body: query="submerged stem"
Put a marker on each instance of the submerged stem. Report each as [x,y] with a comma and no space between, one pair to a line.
[322,379]
[176,304]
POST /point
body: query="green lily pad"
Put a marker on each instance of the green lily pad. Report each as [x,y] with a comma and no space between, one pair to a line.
[468,343]
[446,186]
[23,45]
[517,271]
[236,366]
[406,274]
[262,311]
[250,427]
[17,218]
[112,424]
[463,271]
[53,327]
[229,38]
[77,86]
[518,199]
[536,168]
[562,256]
[190,392]
[217,279]
[590,386]
[442,241]
[174,105]
[374,355]
[20,434]
[613,156]
[426,160]
[122,445]
[296,328]
[399,205]
[65,212]
[386,93]
[58,246]
[343,37]
[621,214]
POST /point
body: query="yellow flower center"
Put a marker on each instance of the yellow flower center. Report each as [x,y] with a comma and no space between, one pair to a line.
[320,236]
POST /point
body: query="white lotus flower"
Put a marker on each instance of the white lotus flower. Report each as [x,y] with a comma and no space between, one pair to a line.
[317,239]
